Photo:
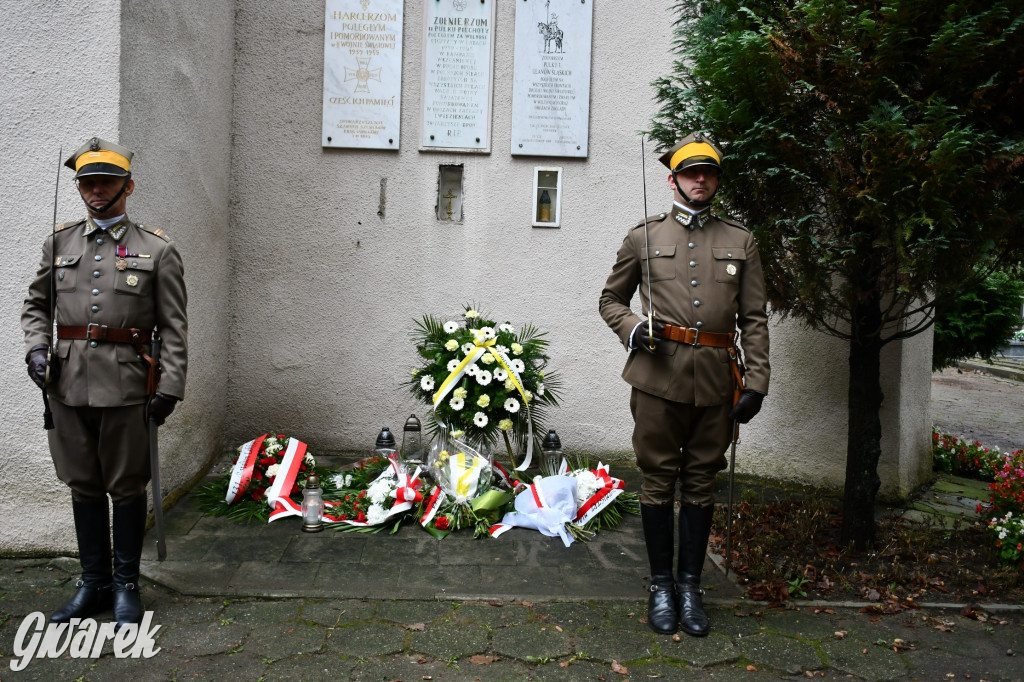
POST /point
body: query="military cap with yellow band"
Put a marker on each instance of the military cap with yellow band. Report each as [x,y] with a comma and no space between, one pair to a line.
[693,150]
[99,157]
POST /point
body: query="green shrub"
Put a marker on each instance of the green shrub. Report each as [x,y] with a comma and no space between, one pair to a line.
[980,321]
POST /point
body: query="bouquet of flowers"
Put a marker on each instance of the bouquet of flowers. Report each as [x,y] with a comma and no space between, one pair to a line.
[482,379]
[267,471]
[471,491]
[573,504]
[374,493]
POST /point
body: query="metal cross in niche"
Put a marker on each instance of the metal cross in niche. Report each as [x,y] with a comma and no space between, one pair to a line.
[451,195]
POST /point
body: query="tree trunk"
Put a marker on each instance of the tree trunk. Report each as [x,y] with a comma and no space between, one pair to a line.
[864,432]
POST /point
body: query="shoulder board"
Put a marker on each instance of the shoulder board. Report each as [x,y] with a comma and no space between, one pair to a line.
[657,218]
[70,223]
[730,221]
[155,231]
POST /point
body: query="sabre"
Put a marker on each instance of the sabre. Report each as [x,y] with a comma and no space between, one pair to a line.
[154,466]
[50,359]
[732,478]
[650,296]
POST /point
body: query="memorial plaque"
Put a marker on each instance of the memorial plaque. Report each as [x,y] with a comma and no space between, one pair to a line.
[551,81]
[362,73]
[458,60]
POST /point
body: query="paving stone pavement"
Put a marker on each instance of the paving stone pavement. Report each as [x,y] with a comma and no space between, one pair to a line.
[268,602]
[979,406]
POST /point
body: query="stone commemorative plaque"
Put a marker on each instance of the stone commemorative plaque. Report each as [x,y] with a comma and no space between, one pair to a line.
[458,61]
[362,73]
[551,81]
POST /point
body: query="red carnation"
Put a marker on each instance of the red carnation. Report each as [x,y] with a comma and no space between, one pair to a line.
[267,461]
[281,436]
[258,494]
[362,494]
[441,523]
[295,489]
[361,517]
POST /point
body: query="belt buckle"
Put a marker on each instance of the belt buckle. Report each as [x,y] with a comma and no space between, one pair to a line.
[100,336]
[696,337]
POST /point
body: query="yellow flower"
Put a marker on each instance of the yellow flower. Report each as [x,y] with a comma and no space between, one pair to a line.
[517,348]
[528,396]
[451,344]
[484,400]
[460,392]
[510,385]
[472,313]
[505,425]
[443,456]
[459,433]
[487,359]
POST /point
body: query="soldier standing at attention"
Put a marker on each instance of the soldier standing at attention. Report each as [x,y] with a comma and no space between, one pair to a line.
[704,276]
[114,282]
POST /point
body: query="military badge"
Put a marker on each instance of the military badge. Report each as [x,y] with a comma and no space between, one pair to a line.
[121,264]
[731,269]
[133,280]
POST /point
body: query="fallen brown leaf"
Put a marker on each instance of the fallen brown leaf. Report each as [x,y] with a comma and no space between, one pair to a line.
[620,669]
[481,659]
[419,627]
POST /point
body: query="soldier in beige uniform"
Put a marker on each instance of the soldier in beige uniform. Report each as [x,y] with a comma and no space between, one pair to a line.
[114,282]
[704,276]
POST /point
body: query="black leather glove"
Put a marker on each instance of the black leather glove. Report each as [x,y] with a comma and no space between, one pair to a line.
[36,360]
[747,406]
[160,407]
[643,339]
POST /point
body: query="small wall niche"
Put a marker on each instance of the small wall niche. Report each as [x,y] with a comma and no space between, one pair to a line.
[449,193]
[547,197]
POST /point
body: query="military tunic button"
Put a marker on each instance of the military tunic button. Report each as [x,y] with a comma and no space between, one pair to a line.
[728,255]
[93,344]
[95,292]
[691,245]
[60,275]
[693,264]
[699,325]
[657,253]
[97,257]
[696,304]
[99,240]
[693,282]
[96,273]
[95,308]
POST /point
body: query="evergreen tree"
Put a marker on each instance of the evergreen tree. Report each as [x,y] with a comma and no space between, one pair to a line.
[875,149]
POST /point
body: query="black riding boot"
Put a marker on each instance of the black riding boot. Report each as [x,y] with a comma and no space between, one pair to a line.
[129,528]
[92,527]
[694,529]
[662,614]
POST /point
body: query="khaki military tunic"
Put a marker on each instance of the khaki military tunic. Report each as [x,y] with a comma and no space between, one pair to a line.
[144,290]
[705,273]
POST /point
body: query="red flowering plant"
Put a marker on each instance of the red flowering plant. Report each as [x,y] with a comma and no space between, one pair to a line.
[963,458]
[241,492]
[365,494]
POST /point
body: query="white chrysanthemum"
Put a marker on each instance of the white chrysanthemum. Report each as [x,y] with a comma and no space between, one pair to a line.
[505,425]
[472,313]
[488,332]
[456,404]
[517,348]
[338,480]
[380,490]
[272,470]
[487,359]
[451,327]
[512,405]
[452,364]
[501,349]
[480,419]
[484,400]
[540,389]
[528,396]
[518,365]
[586,485]
[506,327]
[472,370]
[272,450]
[509,384]
[460,392]
[467,348]
[483,377]
[451,344]
[500,374]
[376,514]
[427,383]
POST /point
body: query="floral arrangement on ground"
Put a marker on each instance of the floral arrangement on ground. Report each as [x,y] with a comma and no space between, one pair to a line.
[241,493]
[483,380]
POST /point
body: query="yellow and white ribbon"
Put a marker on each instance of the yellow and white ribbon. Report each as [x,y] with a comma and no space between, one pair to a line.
[481,346]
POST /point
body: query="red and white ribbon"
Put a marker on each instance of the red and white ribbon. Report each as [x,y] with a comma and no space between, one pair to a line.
[434,502]
[279,493]
[611,489]
[241,473]
[405,493]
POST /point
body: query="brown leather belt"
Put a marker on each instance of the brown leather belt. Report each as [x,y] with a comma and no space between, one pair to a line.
[695,337]
[101,332]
